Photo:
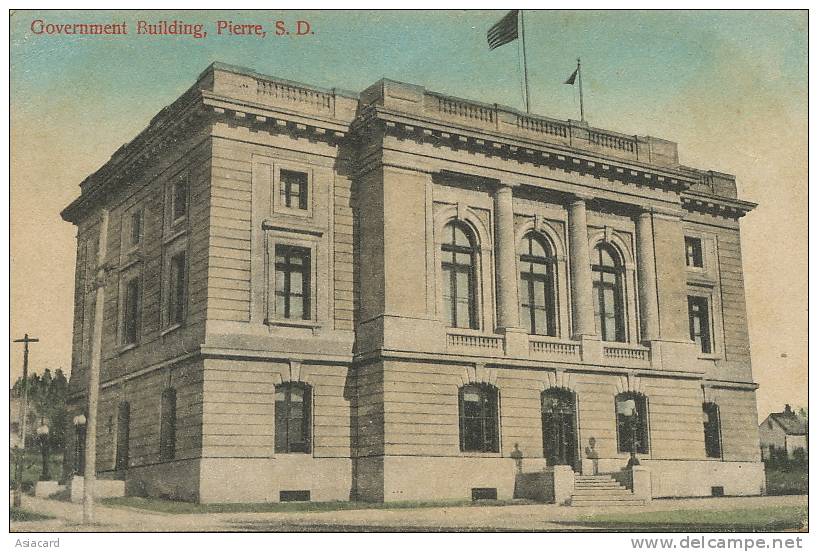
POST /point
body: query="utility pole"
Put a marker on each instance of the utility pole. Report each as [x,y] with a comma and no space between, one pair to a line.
[18,491]
[93,374]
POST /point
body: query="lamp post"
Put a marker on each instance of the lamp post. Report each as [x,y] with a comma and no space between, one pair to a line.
[79,424]
[634,420]
[42,435]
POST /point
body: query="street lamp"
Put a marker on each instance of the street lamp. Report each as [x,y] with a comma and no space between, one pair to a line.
[42,435]
[79,460]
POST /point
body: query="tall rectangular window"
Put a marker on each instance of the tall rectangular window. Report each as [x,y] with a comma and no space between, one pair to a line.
[712,430]
[693,249]
[135,235]
[179,198]
[292,418]
[123,426]
[167,425]
[479,419]
[292,275]
[293,189]
[177,295]
[130,318]
[699,319]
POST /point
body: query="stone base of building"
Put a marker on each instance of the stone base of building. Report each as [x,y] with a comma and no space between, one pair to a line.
[285,477]
[398,478]
[692,478]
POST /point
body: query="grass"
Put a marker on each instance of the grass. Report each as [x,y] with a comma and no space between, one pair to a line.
[18,514]
[177,507]
[787,481]
[773,518]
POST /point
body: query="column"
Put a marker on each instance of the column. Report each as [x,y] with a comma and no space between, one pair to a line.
[646,276]
[581,286]
[508,313]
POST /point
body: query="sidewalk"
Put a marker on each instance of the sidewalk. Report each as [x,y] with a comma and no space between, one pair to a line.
[538,517]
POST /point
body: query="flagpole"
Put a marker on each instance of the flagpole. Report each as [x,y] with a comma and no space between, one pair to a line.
[581,104]
[525,64]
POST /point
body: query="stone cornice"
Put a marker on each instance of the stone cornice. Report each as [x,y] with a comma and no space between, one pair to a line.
[517,148]
[165,129]
[716,206]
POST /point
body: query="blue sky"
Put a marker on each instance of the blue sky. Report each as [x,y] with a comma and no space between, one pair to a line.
[730,87]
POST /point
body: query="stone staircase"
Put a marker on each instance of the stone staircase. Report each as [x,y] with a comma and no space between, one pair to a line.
[602,490]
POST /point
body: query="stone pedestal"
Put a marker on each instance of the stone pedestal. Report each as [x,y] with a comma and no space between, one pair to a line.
[44,489]
[563,483]
[103,488]
[640,477]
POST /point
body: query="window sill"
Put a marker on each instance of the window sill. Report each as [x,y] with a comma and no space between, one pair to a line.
[174,234]
[293,323]
[475,454]
[709,356]
[126,348]
[298,212]
[170,329]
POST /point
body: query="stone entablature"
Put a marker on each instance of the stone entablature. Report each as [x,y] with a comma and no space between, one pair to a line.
[276,105]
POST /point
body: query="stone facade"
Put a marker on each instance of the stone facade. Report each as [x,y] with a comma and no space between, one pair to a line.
[386,173]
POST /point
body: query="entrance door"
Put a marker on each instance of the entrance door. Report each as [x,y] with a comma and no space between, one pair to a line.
[559,427]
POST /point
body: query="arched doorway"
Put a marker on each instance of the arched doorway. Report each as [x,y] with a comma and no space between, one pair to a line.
[559,427]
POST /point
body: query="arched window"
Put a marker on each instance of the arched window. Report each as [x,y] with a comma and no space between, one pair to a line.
[479,425]
[537,290]
[459,299]
[167,425]
[292,417]
[123,429]
[632,422]
[608,296]
[712,430]
[559,426]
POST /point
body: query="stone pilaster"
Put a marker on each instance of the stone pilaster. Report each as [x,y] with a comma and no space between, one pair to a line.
[581,286]
[508,312]
[646,277]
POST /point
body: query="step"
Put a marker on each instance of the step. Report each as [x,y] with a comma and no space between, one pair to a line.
[606,492]
[609,486]
[586,503]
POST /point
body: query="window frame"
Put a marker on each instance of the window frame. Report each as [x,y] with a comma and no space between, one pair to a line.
[178,180]
[306,444]
[644,444]
[451,269]
[172,250]
[276,191]
[489,401]
[133,276]
[532,279]
[698,245]
[705,321]
[168,420]
[123,432]
[714,431]
[599,286]
[287,269]
[319,271]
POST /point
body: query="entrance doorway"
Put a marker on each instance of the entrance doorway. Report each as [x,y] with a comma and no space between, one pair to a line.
[559,427]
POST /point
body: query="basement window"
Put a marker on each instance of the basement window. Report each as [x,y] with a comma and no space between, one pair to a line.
[294,496]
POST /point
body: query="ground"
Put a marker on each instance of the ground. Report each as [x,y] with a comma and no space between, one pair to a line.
[709,514]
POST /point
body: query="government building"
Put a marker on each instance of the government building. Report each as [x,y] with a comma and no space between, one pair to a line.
[313,294]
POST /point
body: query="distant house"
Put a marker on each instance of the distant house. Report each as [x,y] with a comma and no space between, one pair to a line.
[783,430]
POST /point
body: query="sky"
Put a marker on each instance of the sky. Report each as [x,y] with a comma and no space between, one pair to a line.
[729,87]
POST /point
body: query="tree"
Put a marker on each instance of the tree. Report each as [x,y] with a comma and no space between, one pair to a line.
[46,404]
